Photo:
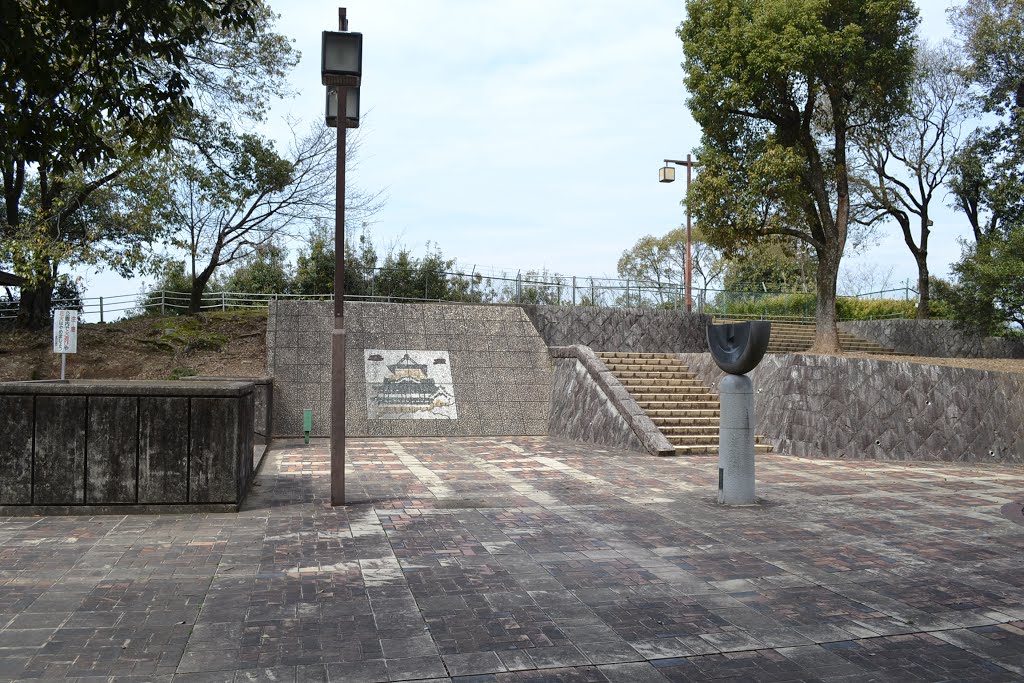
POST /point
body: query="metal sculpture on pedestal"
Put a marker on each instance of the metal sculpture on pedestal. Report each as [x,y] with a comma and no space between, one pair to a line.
[737,349]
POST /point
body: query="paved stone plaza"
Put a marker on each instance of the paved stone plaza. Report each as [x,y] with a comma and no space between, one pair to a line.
[532,559]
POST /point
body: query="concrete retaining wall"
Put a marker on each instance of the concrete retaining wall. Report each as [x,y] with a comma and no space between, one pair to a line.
[589,404]
[619,329]
[263,403]
[99,447]
[490,362]
[836,407]
[939,338]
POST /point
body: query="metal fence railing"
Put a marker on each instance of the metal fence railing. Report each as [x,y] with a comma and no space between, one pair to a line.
[906,293]
[474,287]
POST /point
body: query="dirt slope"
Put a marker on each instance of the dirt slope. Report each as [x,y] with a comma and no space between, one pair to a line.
[220,344]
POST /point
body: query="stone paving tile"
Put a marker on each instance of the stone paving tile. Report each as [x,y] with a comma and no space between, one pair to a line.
[532,559]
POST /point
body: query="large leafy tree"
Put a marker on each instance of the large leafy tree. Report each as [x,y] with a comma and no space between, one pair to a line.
[661,262]
[778,264]
[989,294]
[777,86]
[906,164]
[988,182]
[265,271]
[88,90]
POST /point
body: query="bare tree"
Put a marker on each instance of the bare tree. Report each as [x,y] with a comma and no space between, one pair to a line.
[904,165]
[235,193]
[864,278]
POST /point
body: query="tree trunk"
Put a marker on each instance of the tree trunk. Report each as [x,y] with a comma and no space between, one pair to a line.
[923,300]
[826,339]
[34,307]
[195,297]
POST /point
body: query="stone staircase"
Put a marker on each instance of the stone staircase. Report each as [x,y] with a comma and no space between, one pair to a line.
[794,337]
[677,402]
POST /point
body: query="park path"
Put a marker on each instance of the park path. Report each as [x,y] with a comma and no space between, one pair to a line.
[532,559]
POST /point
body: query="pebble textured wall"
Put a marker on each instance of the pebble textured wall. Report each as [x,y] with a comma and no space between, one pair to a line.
[500,366]
[620,329]
[590,404]
[836,407]
[940,338]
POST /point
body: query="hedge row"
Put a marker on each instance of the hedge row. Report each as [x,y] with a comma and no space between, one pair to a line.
[803,305]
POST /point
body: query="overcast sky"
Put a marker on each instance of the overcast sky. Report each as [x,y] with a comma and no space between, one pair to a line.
[525,134]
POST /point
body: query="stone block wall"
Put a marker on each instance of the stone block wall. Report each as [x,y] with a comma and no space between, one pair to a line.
[838,407]
[620,329]
[498,365]
[938,338]
[589,404]
[100,447]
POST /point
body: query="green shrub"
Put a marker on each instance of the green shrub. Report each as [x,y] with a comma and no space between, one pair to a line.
[803,305]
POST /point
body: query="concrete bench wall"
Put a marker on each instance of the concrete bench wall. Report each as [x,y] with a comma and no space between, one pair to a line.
[92,446]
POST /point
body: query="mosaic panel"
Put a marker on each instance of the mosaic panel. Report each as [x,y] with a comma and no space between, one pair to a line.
[409,385]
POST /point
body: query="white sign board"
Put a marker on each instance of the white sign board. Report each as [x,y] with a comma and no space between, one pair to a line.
[65,331]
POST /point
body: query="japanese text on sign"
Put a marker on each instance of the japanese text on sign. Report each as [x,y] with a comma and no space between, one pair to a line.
[65,331]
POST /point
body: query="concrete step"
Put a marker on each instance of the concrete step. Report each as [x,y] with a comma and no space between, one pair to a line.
[672,396]
[632,354]
[654,376]
[644,384]
[675,400]
[659,414]
[685,417]
[654,406]
[688,423]
[630,363]
[637,367]
[712,449]
[690,430]
[796,337]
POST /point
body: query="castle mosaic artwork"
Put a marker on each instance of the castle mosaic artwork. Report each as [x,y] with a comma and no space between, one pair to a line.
[409,385]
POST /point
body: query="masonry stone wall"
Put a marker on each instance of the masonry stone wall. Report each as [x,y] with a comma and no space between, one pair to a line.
[621,329]
[582,412]
[489,360]
[938,338]
[839,407]
[589,404]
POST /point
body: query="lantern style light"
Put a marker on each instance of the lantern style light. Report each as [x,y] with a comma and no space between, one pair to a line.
[667,174]
[341,58]
[351,107]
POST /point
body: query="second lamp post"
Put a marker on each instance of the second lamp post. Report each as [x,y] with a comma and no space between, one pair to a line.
[667,174]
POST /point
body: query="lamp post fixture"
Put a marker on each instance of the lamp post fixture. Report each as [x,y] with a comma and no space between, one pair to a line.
[341,66]
[667,174]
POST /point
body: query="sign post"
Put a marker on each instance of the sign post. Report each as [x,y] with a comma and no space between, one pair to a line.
[65,335]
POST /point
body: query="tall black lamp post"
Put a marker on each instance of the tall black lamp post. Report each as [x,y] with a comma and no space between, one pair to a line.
[341,67]
[667,174]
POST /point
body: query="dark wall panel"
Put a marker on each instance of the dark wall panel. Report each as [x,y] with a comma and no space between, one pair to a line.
[16,450]
[60,450]
[113,444]
[214,450]
[163,450]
